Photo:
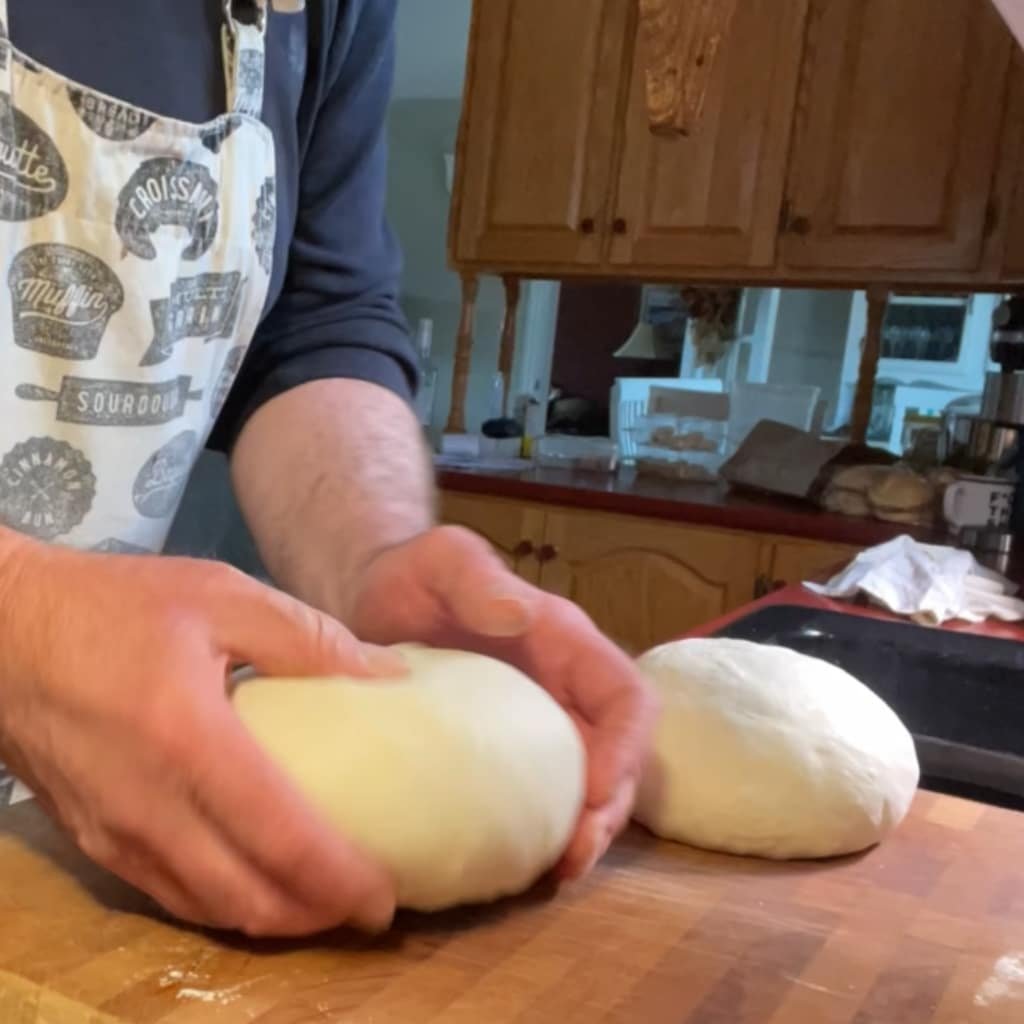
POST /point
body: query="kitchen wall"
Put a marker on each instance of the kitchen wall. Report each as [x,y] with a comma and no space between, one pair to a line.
[420,132]
[423,122]
[432,39]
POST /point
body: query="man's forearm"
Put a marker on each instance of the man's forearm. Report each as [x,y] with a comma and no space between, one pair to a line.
[328,475]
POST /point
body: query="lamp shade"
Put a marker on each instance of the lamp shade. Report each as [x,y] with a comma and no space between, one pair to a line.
[646,343]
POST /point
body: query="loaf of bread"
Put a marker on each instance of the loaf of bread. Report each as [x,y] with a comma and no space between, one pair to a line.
[903,496]
[892,493]
[847,490]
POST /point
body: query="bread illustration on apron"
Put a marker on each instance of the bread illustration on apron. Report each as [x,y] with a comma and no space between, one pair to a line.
[33,175]
[63,299]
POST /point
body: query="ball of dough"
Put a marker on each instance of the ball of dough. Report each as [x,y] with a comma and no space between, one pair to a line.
[465,779]
[763,751]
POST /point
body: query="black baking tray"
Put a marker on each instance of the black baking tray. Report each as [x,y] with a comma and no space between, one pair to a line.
[960,695]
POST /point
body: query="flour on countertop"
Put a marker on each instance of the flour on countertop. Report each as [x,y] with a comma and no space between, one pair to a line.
[1005,983]
[220,996]
[190,982]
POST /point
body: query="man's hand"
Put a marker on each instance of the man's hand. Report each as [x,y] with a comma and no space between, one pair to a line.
[448,589]
[349,532]
[114,710]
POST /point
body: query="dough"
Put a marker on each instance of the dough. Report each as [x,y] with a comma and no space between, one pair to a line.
[465,779]
[763,751]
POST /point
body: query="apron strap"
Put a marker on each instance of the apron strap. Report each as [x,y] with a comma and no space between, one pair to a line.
[245,46]
[5,50]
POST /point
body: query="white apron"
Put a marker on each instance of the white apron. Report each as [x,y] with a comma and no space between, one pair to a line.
[135,253]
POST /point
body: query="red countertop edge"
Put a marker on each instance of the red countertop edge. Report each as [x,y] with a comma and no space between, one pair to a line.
[799,595]
[701,505]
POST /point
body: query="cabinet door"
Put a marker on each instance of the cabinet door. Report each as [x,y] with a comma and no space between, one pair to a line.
[1012,256]
[797,562]
[646,582]
[513,529]
[898,117]
[713,199]
[535,147]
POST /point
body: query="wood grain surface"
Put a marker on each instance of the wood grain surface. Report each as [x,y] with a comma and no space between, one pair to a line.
[926,929]
[681,42]
[870,353]
[463,355]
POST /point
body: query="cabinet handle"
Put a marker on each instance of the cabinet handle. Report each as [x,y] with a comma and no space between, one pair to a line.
[523,549]
[619,225]
[548,553]
[587,226]
[800,226]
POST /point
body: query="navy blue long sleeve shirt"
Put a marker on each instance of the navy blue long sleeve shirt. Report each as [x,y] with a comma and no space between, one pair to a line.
[333,309]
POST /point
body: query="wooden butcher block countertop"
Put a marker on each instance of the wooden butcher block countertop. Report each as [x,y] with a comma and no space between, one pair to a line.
[928,927]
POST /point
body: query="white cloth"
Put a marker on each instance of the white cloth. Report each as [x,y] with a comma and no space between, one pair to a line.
[929,583]
[135,258]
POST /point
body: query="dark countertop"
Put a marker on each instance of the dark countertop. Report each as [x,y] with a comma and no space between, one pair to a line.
[799,595]
[699,504]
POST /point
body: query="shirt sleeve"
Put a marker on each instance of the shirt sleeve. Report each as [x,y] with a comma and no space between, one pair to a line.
[338,314]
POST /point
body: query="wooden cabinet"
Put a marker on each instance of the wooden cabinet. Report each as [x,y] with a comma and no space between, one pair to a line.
[793,561]
[539,124]
[713,199]
[644,582]
[1011,259]
[515,530]
[841,140]
[896,134]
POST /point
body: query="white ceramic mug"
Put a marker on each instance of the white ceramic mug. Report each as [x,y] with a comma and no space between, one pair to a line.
[979,501]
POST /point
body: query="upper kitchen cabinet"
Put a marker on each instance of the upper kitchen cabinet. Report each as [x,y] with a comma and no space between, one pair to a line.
[539,125]
[898,118]
[712,199]
[1011,258]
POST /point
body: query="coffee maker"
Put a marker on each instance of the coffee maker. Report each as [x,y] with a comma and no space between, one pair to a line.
[986,449]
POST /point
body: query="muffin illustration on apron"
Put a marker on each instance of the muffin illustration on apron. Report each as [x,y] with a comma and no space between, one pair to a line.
[62,300]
